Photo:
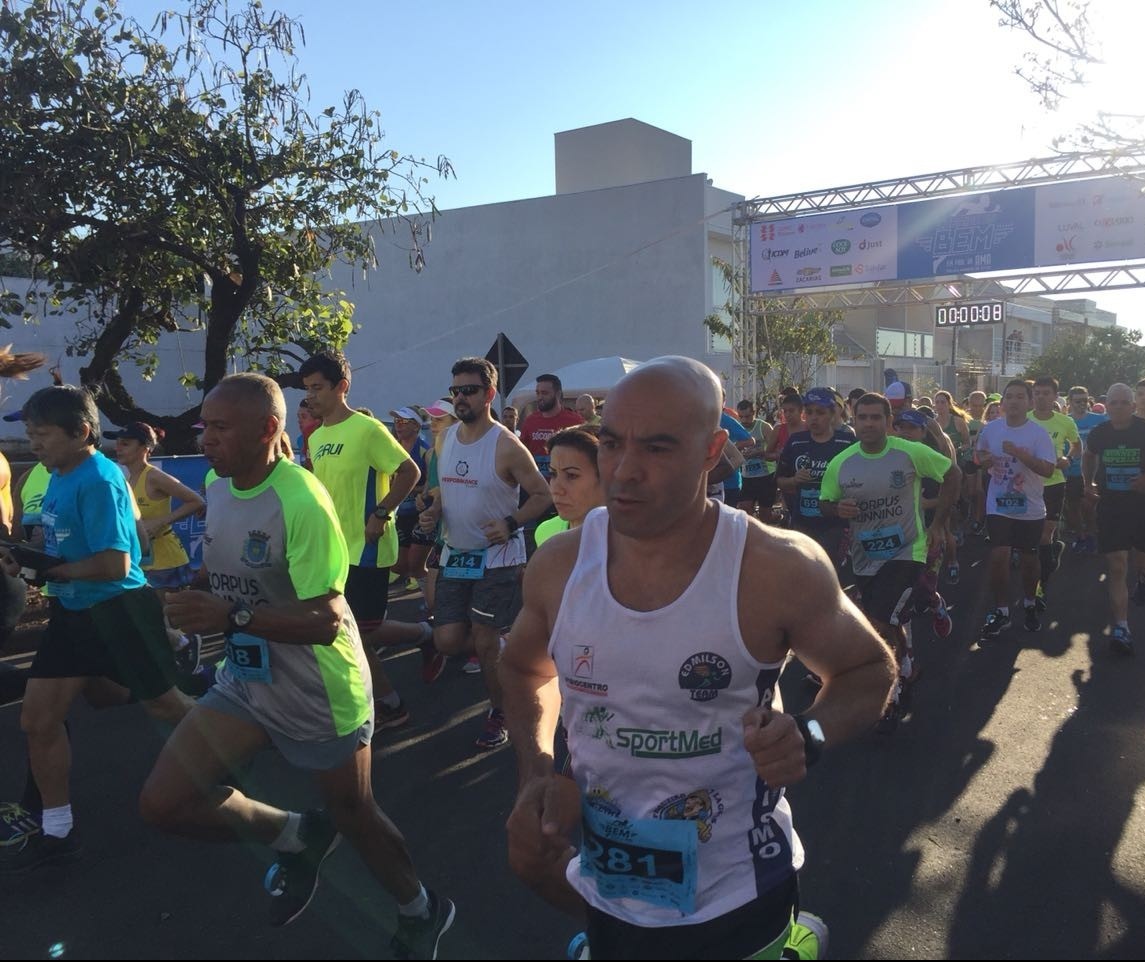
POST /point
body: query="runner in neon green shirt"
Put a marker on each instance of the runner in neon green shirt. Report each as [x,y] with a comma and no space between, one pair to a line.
[368,474]
[875,484]
[295,675]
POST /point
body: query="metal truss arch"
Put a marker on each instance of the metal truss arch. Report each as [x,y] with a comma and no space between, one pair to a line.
[1062,167]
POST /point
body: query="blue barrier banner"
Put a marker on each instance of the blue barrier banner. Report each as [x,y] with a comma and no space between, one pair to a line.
[191,469]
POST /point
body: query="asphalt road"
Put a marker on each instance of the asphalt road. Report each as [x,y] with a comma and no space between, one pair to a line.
[1004,819]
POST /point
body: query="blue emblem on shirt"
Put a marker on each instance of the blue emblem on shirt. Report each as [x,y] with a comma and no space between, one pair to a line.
[256,550]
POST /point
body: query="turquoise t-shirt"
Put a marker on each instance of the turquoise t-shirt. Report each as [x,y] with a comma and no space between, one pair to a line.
[84,512]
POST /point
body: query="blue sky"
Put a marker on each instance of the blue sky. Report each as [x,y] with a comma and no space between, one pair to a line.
[775,96]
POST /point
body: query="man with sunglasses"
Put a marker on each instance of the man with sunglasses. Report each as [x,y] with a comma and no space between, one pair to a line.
[1079,512]
[482,471]
[1113,472]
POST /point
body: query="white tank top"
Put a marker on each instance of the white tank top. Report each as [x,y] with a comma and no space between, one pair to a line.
[676,826]
[472,493]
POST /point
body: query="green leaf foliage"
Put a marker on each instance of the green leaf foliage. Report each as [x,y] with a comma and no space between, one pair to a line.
[792,344]
[1093,358]
[173,178]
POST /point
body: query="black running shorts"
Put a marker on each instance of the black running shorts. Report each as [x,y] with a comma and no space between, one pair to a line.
[1055,500]
[368,595]
[887,593]
[1006,532]
[123,638]
[1120,523]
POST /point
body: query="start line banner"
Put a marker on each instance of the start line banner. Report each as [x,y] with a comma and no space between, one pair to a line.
[1052,225]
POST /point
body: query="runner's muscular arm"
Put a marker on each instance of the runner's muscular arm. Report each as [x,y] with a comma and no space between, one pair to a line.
[941,438]
[947,495]
[402,482]
[313,621]
[528,675]
[963,430]
[547,808]
[516,466]
[828,634]
[109,565]
[1089,461]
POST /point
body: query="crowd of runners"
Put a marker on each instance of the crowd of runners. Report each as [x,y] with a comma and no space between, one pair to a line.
[609,572]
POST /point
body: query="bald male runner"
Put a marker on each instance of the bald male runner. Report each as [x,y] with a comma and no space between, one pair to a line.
[295,676]
[679,745]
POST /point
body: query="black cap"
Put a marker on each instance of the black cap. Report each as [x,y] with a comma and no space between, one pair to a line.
[136,431]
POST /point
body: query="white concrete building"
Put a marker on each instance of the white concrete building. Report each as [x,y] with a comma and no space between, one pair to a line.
[617,262]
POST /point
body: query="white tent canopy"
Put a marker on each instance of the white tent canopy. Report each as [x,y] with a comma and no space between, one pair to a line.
[595,376]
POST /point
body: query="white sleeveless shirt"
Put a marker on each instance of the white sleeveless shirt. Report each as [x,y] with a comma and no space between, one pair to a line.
[676,826]
[473,493]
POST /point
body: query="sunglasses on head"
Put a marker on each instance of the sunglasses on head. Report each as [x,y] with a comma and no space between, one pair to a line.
[467,389]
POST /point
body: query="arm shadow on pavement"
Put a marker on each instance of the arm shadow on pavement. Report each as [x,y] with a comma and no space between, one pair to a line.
[987,825]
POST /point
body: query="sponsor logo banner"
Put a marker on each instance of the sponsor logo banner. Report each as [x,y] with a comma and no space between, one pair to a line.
[1051,225]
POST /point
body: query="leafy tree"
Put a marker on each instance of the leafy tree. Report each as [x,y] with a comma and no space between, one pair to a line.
[1064,55]
[1093,357]
[793,346]
[173,178]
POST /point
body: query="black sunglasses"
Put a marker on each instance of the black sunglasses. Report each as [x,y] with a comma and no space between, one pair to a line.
[467,389]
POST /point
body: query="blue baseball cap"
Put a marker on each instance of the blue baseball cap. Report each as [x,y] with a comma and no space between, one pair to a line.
[14,416]
[911,416]
[822,396]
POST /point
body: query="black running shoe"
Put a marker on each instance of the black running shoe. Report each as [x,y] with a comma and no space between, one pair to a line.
[1032,622]
[36,849]
[418,938]
[996,623]
[293,879]
[16,824]
[1121,641]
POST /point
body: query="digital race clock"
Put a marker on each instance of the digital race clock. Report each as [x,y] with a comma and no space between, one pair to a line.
[974,312]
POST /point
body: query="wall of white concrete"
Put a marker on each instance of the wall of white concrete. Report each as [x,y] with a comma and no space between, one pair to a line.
[620,271]
[618,153]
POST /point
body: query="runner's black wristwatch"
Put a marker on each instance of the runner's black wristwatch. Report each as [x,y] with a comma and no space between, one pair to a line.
[512,522]
[239,617]
[813,738]
[382,514]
